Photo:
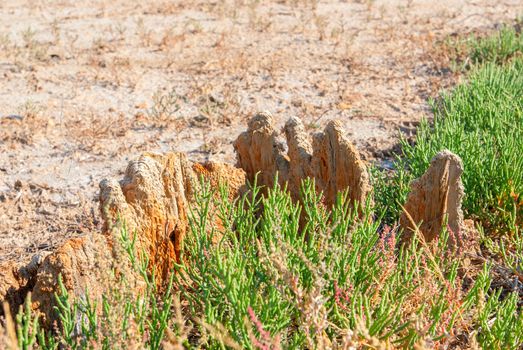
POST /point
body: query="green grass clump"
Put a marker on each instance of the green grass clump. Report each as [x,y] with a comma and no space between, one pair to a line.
[498,48]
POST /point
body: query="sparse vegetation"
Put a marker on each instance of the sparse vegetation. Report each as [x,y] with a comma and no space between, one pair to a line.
[165,105]
[498,48]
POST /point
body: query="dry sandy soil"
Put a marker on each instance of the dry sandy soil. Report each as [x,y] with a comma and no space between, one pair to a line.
[88,85]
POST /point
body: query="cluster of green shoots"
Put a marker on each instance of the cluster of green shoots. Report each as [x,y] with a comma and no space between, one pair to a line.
[498,48]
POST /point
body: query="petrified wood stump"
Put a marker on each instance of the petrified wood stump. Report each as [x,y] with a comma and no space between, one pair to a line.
[435,199]
[331,160]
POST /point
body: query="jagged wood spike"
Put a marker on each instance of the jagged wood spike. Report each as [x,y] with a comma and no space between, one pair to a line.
[435,197]
[299,154]
[337,166]
[261,151]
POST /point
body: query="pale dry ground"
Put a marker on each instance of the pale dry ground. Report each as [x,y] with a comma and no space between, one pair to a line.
[87,85]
